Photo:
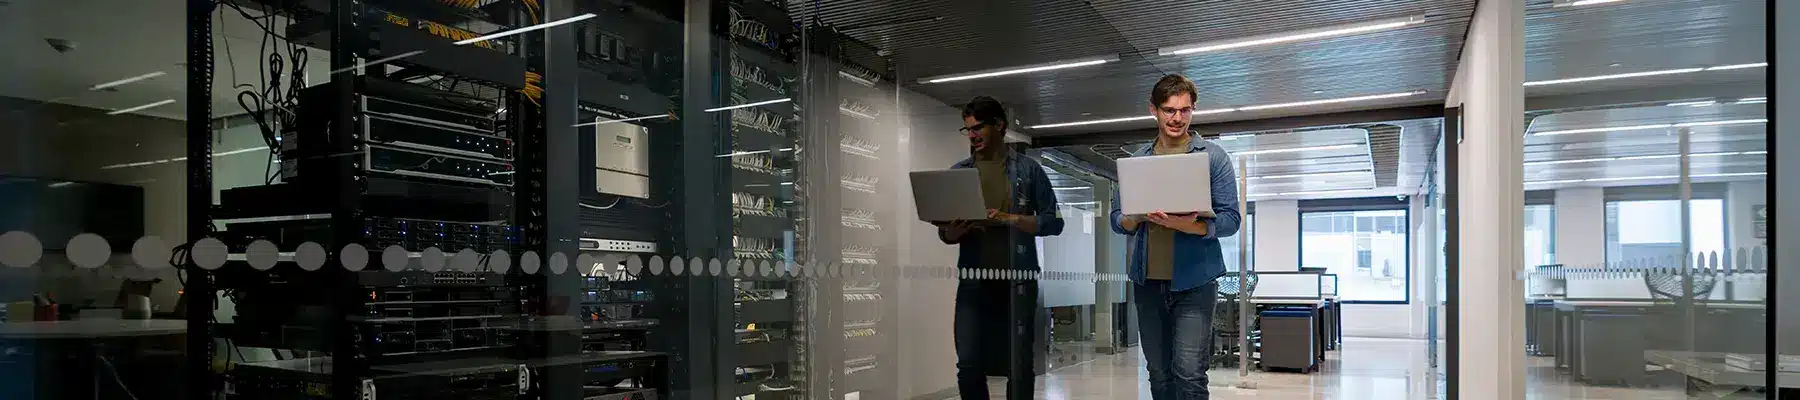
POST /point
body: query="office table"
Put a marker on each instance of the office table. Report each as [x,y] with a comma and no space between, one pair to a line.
[1710,370]
[56,341]
[1605,340]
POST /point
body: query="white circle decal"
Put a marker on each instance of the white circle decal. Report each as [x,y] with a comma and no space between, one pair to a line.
[19,249]
[208,253]
[355,257]
[88,250]
[310,256]
[262,254]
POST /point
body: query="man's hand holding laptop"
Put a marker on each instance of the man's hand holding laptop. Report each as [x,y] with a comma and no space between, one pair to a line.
[955,229]
[1184,222]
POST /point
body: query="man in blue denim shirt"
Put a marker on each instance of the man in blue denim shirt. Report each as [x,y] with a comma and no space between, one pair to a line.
[1021,206]
[1175,258]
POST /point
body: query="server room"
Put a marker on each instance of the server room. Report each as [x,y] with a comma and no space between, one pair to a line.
[896,199]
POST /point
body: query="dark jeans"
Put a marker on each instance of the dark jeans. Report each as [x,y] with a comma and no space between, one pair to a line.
[1177,333]
[994,331]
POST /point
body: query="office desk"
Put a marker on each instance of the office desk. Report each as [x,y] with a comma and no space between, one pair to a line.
[1710,370]
[1606,340]
[50,348]
[1327,320]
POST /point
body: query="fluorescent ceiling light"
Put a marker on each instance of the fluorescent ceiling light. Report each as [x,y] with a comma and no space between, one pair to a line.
[1084,203]
[1313,192]
[1226,110]
[1298,149]
[1309,34]
[745,153]
[1725,122]
[1653,126]
[764,102]
[1737,66]
[127,81]
[1233,137]
[1357,172]
[1097,121]
[510,32]
[140,108]
[1331,101]
[1646,73]
[1643,157]
[1694,103]
[1072,188]
[1614,76]
[1054,65]
[1752,100]
[1579,3]
[604,121]
[176,159]
[1649,177]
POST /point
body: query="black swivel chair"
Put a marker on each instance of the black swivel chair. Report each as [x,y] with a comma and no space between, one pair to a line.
[1227,337]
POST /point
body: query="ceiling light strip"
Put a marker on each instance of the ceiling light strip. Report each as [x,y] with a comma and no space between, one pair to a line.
[141,108]
[764,102]
[1245,108]
[1578,3]
[603,121]
[1357,172]
[1309,192]
[1317,33]
[510,32]
[127,81]
[1653,126]
[1643,157]
[1648,177]
[1049,66]
[1331,101]
[1646,73]
[1297,149]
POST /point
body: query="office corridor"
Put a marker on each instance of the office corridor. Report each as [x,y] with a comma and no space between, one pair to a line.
[1367,368]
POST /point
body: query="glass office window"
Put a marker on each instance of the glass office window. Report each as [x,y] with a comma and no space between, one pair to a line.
[1540,235]
[1651,229]
[1230,244]
[1366,249]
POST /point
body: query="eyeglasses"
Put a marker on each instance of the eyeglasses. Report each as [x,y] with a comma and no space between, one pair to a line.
[970,130]
[1176,111]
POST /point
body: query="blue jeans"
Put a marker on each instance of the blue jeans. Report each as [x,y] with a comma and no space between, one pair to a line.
[1176,328]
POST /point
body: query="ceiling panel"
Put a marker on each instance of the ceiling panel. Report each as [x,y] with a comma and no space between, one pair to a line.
[935,37]
[1643,35]
[1618,158]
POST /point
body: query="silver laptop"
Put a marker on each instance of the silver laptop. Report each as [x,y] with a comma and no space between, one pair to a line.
[1175,184]
[948,195]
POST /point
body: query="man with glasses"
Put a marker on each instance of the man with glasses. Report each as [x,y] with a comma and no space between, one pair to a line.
[1174,259]
[996,319]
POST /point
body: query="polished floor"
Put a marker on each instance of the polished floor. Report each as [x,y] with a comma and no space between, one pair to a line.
[1363,369]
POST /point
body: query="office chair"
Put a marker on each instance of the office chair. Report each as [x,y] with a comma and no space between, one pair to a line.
[1226,334]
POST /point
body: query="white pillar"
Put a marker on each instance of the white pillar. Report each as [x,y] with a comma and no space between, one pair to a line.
[1423,221]
[1785,232]
[1491,309]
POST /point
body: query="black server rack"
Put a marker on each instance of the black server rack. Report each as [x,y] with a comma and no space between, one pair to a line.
[423,169]
[763,140]
[850,83]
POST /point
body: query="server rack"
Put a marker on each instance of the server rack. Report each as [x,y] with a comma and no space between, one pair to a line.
[849,84]
[758,49]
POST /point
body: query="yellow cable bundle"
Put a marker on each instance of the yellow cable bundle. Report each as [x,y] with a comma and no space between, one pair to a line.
[533,90]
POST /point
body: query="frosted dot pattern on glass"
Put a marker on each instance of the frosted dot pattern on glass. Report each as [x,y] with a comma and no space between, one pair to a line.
[656,265]
[500,262]
[714,267]
[19,249]
[465,260]
[734,268]
[88,250]
[355,257]
[559,263]
[310,256]
[262,255]
[150,252]
[395,258]
[209,253]
[432,259]
[529,262]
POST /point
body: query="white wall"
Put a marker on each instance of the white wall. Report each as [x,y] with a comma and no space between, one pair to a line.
[1741,199]
[1581,227]
[1277,235]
